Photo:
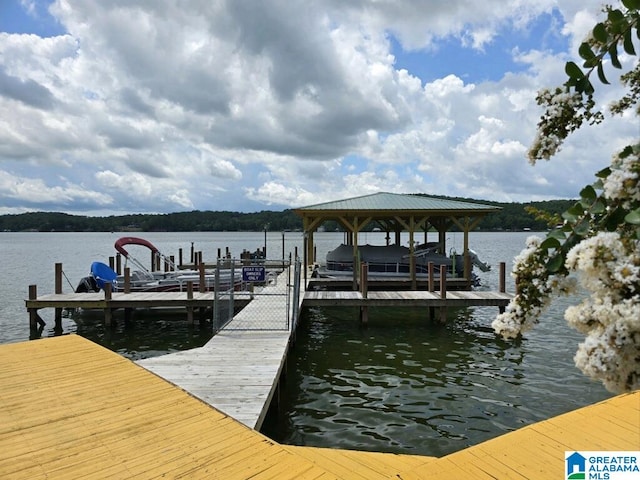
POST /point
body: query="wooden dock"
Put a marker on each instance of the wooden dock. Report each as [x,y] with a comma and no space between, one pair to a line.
[410,298]
[72,409]
[347,298]
[236,372]
[188,301]
[239,369]
[319,292]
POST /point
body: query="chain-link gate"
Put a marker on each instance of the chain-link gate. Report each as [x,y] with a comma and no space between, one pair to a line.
[263,298]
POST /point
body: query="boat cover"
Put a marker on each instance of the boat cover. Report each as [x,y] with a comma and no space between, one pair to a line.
[102,273]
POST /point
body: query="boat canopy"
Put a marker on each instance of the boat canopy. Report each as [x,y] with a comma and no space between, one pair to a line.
[156,254]
[121,242]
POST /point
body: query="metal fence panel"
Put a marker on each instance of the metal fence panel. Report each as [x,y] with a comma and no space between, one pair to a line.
[263,303]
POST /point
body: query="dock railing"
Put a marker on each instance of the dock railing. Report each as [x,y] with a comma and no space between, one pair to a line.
[269,300]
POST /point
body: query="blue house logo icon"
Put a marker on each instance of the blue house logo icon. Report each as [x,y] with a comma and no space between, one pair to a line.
[576,466]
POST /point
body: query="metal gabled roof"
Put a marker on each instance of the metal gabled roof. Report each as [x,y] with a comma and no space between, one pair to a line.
[399,202]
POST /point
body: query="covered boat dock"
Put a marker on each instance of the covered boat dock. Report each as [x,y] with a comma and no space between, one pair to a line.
[395,213]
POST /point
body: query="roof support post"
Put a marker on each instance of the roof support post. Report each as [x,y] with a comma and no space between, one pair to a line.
[356,257]
[311,253]
[412,254]
[466,224]
[308,242]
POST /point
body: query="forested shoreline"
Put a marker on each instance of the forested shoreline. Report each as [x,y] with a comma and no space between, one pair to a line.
[511,217]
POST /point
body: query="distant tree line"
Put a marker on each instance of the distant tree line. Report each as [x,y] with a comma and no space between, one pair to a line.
[513,216]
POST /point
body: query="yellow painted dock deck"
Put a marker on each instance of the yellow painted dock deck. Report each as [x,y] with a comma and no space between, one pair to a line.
[72,409]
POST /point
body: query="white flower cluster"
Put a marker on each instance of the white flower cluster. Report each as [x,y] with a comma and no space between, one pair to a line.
[611,352]
[561,107]
[534,290]
[622,183]
[606,267]
[610,317]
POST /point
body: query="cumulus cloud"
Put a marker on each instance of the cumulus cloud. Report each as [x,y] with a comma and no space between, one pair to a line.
[173,105]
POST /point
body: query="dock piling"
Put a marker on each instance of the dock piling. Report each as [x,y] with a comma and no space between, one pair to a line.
[430,287]
[190,297]
[107,310]
[127,280]
[364,289]
[35,322]
[58,290]
[443,292]
[502,286]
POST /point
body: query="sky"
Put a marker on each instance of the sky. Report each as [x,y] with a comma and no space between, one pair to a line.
[110,107]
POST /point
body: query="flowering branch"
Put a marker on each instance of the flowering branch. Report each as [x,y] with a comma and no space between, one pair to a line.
[569,106]
[600,236]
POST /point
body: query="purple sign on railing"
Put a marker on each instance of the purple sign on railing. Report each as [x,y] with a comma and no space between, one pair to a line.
[254,273]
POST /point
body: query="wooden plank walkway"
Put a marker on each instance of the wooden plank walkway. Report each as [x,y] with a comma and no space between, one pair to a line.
[411,298]
[238,370]
[97,300]
[72,409]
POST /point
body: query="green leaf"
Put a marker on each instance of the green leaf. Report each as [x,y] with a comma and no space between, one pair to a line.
[573,70]
[589,193]
[571,82]
[584,85]
[613,53]
[598,184]
[550,243]
[600,33]
[631,4]
[604,173]
[626,151]
[555,263]
[633,217]
[598,207]
[628,43]
[585,51]
[558,234]
[615,218]
[577,209]
[601,75]
[582,228]
[569,217]
[616,17]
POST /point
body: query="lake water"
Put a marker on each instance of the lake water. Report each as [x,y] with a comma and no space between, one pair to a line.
[400,384]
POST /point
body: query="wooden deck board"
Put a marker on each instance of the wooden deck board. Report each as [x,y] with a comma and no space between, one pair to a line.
[354,464]
[410,298]
[238,370]
[145,428]
[122,421]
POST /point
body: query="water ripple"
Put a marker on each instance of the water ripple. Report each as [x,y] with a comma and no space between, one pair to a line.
[437,390]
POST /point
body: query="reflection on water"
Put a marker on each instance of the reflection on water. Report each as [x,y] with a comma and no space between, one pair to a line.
[403,384]
[147,335]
